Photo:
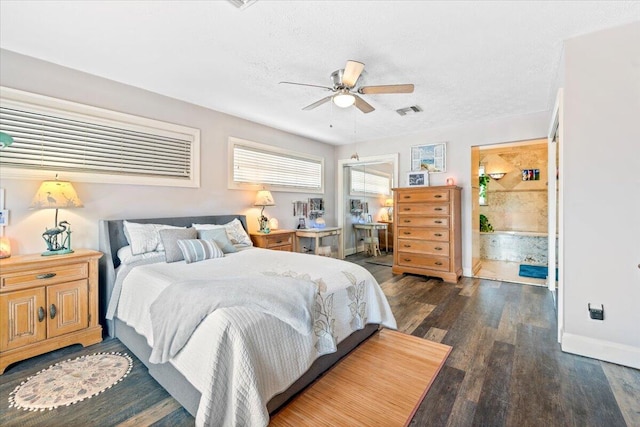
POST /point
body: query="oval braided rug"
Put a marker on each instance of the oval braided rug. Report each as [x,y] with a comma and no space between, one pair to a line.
[71,381]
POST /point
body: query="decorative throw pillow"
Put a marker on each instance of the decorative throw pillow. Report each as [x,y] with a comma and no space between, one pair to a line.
[218,235]
[144,237]
[126,256]
[194,250]
[236,233]
[170,240]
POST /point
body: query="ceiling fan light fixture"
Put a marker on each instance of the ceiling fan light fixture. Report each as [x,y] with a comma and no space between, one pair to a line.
[344,99]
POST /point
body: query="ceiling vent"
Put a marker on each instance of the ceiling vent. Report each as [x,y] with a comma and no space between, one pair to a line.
[242,4]
[409,110]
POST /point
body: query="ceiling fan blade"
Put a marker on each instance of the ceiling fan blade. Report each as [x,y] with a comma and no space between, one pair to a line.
[362,105]
[372,90]
[318,103]
[305,84]
[352,72]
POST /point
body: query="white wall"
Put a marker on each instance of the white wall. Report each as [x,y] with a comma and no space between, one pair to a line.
[601,173]
[459,140]
[127,201]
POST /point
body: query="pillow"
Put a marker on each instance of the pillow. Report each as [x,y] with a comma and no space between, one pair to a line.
[194,250]
[218,235]
[126,256]
[170,241]
[144,237]
[235,231]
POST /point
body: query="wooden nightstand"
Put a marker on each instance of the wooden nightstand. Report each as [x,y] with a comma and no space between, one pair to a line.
[278,240]
[47,302]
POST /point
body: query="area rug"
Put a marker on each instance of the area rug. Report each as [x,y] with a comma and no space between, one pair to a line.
[380,383]
[71,381]
[536,271]
[381,260]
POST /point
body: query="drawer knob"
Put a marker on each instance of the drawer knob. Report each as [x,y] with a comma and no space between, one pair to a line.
[279,241]
[40,314]
[407,259]
[52,311]
[407,197]
[407,246]
[438,196]
[438,234]
[407,232]
[407,220]
[437,209]
[438,263]
[46,276]
[438,249]
[438,221]
[407,209]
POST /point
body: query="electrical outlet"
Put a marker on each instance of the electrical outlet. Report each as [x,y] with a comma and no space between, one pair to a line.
[596,313]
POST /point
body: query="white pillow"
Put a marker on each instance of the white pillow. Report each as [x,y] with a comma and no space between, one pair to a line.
[126,256]
[235,231]
[144,238]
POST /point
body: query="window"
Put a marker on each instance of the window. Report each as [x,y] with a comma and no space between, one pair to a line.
[369,183]
[94,145]
[484,181]
[258,165]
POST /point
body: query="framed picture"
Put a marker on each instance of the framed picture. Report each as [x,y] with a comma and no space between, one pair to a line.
[431,157]
[369,219]
[418,178]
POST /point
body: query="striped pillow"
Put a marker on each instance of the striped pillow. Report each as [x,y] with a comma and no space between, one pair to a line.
[195,250]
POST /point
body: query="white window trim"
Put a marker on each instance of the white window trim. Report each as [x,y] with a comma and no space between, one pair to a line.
[44,104]
[232,185]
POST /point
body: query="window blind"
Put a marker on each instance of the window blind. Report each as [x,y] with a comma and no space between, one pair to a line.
[63,141]
[363,182]
[259,164]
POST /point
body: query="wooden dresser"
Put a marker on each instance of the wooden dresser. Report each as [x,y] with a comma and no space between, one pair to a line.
[428,238]
[278,240]
[47,302]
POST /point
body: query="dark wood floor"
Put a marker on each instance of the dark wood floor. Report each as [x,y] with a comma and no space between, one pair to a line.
[506,368]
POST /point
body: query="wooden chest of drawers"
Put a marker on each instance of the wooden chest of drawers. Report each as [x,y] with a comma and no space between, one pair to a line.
[47,303]
[428,238]
[278,240]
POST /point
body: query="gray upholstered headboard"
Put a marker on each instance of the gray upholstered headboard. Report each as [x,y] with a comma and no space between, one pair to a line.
[112,238]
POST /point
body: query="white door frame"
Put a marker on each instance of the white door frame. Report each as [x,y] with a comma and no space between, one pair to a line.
[393,158]
[555,138]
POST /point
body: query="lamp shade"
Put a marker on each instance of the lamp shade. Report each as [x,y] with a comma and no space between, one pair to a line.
[388,203]
[5,140]
[344,99]
[264,198]
[56,195]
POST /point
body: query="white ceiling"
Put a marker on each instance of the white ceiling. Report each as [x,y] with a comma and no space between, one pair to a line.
[469,61]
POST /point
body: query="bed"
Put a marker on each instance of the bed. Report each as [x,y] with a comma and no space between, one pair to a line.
[241,363]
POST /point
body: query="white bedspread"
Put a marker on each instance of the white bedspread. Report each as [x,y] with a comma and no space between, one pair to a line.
[239,358]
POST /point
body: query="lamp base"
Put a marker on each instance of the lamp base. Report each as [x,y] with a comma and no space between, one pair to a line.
[62,251]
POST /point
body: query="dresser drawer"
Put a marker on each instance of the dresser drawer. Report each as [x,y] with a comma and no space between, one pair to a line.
[288,248]
[422,209]
[275,240]
[424,247]
[424,196]
[412,221]
[409,259]
[423,234]
[44,276]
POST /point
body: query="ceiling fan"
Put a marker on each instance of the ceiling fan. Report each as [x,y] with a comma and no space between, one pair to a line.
[345,93]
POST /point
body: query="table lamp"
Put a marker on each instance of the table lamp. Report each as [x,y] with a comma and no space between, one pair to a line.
[56,195]
[388,203]
[264,198]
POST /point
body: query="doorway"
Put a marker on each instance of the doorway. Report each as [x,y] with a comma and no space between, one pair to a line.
[372,201]
[509,207]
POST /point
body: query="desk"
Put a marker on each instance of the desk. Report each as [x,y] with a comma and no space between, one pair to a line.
[370,228]
[318,234]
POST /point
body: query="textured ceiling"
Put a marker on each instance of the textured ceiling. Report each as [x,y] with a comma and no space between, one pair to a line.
[469,61]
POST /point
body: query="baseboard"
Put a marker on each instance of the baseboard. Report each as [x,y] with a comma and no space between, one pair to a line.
[608,351]
[467,272]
